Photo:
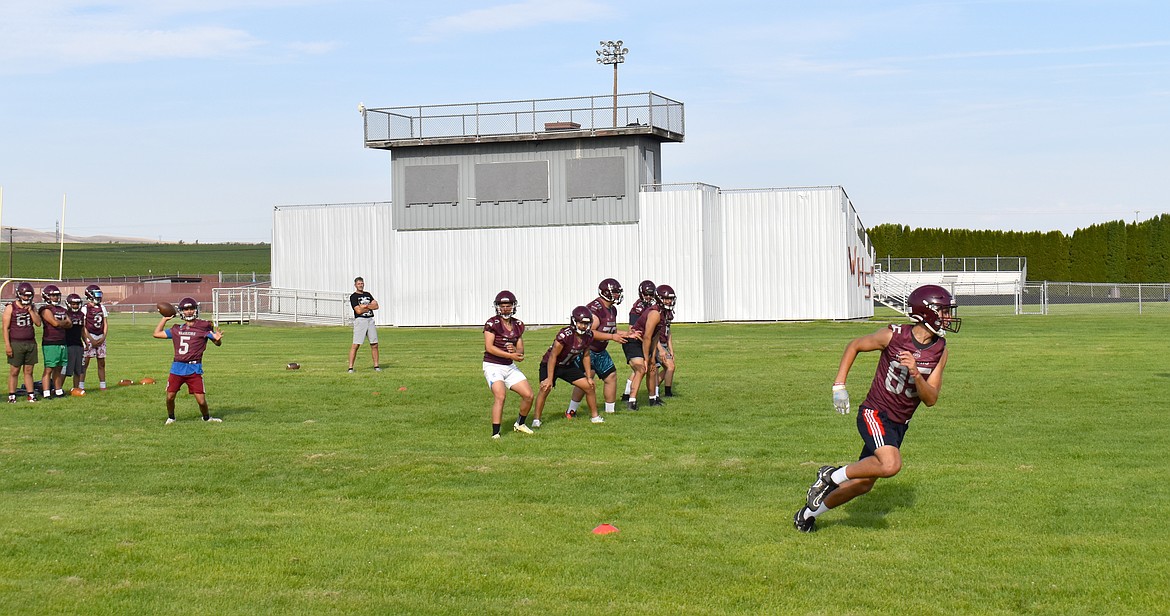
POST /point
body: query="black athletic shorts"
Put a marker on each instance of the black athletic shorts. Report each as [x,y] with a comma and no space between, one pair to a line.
[568,374]
[877,430]
[633,350]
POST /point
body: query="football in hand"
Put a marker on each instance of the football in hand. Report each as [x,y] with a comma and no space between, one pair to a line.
[166,309]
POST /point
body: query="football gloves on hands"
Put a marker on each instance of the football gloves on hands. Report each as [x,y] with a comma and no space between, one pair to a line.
[841,399]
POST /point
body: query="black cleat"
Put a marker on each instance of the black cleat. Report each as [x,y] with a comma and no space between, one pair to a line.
[821,488]
[625,397]
[657,402]
[631,405]
[803,524]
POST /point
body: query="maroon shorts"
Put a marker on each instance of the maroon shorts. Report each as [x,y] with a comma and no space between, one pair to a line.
[194,383]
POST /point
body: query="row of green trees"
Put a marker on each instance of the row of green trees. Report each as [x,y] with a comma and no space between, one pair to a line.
[1109,252]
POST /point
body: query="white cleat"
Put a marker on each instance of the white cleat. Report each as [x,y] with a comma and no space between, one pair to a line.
[170,420]
[598,419]
[213,420]
[535,423]
[519,427]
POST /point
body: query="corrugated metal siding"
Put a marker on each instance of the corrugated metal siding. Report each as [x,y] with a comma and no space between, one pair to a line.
[671,249]
[450,277]
[760,255]
[324,248]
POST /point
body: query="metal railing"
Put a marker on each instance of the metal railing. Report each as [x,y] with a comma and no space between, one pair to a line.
[954,264]
[246,304]
[524,117]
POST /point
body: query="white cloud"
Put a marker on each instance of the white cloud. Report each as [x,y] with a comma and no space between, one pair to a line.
[48,35]
[515,16]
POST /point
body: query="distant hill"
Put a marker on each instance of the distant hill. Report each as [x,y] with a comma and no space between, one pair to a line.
[31,236]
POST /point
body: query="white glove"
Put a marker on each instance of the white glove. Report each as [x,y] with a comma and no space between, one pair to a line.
[841,399]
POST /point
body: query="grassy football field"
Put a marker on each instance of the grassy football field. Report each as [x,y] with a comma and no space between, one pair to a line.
[1037,485]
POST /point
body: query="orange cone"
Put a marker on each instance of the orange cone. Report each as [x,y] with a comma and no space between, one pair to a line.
[605,529]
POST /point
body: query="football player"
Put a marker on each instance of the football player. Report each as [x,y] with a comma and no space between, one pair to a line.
[56,323]
[96,332]
[909,372]
[646,320]
[75,340]
[664,355]
[189,338]
[568,360]
[20,341]
[503,346]
[604,310]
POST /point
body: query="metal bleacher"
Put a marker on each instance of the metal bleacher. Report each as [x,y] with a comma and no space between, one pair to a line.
[972,280]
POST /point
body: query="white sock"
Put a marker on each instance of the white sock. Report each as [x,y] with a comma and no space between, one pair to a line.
[655,392]
[809,513]
[629,384]
[839,477]
[81,384]
[60,392]
[609,407]
[102,384]
[574,404]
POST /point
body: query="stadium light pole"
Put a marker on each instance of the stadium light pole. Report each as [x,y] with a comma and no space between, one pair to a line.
[612,52]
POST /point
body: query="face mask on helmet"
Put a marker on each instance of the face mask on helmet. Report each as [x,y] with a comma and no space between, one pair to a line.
[666,296]
[610,290]
[74,301]
[646,291]
[93,293]
[581,319]
[188,309]
[51,294]
[24,293]
[505,304]
[935,309]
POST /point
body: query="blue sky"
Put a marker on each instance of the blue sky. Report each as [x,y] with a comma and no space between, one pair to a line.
[189,120]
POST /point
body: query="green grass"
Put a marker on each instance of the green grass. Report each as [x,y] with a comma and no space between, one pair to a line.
[36,260]
[1035,486]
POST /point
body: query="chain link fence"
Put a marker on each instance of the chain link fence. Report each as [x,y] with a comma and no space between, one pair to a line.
[1047,297]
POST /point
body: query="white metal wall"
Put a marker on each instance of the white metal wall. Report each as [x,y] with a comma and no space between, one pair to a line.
[740,255]
[323,248]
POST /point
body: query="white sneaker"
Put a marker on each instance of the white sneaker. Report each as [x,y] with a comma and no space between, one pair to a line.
[495,437]
[213,420]
[535,423]
[519,427]
[170,420]
[598,419]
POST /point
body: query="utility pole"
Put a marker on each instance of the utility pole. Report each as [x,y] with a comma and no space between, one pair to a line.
[612,52]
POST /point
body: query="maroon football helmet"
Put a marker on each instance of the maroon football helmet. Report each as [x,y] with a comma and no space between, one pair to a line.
[24,293]
[51,294]
[610,290]
[581,319]
[188,303]
[935,308]
[647,292]
[666,296]
[505,299]
[74,302]
[93,293]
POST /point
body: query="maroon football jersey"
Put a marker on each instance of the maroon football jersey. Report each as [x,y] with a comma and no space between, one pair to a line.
[572,345]
[606,322]
[95,318]
[893,391]
[504,337]
[190,340]
[21,327]
[667,319]
[49,333]
[640,324]
[638,309]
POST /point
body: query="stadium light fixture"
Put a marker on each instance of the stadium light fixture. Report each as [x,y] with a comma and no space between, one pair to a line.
[612,52]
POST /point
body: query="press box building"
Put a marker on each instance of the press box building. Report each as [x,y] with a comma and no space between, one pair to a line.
[548,197]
